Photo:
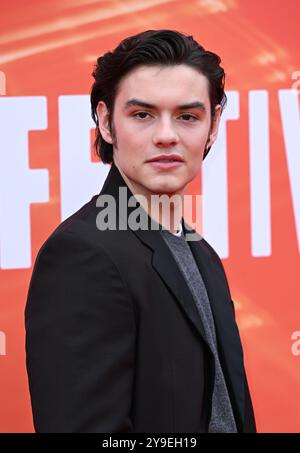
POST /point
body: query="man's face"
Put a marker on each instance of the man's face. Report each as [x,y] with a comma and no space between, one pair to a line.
[162,128]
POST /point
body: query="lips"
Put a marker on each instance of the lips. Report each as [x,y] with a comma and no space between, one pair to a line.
[166,162]
[166,158]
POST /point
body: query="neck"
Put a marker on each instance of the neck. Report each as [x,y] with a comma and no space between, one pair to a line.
[163,208]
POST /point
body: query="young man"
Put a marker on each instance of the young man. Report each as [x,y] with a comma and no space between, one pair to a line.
[133,329]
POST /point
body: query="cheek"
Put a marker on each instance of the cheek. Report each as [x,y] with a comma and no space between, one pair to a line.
[195,147]
[195,137]
[128,137]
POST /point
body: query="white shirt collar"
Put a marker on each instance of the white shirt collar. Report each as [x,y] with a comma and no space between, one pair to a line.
[178,233]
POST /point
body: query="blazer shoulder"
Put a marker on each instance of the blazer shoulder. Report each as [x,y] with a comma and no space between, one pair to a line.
[211,252]
[215,258]
[73,247]
[84,215]
[77,227]
[67,272]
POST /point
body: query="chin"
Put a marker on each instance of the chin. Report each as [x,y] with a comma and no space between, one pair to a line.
[166,189]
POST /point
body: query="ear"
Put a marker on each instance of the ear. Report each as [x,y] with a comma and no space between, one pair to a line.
[214,127]
[103,121]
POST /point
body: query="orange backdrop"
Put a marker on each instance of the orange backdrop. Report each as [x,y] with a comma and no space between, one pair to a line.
[47,50]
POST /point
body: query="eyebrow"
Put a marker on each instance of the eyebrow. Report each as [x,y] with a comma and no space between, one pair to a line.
[191,105]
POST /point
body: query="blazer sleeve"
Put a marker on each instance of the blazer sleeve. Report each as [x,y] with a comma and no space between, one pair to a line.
[80,340]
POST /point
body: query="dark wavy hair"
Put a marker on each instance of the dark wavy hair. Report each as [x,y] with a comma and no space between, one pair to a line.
[151,47]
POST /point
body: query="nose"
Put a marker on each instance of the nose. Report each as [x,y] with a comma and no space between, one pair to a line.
[165,133]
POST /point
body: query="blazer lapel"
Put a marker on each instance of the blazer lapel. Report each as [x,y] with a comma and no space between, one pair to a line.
[165,265]
[229,345]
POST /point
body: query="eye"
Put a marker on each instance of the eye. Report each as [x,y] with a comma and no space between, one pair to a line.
[140,113]
[189,116]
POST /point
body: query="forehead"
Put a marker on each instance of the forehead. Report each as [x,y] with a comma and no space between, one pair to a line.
[164,85]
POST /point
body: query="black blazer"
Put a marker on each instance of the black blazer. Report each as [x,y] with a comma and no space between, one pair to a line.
[114,341]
